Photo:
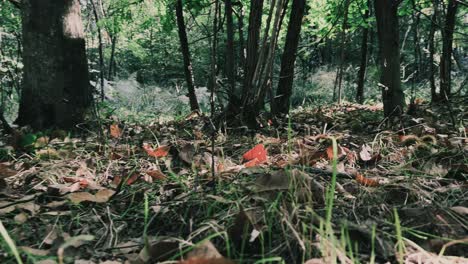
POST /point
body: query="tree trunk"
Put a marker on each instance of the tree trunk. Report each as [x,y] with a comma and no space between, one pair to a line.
[240,25]
[101,51]
[56,90]
[339,73]
[249,112]
[363,65]
[393,96]
[415,76]
[432,68]
[230,51]
[446,59]
[112,69]
[188,70]
[286,78]
[255,21]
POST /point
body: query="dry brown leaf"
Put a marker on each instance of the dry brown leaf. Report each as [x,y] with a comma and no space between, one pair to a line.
[6,172]
[156,174]
[115,131]
[21,218]
[102,196]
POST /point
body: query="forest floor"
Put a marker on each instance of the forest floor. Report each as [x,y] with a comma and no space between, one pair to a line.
[145,193]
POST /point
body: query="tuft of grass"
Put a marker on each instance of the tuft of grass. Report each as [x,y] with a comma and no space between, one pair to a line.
[11,244]
[400,243]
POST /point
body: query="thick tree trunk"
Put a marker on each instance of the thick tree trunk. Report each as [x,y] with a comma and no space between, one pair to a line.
[188,70]
[446,59]
[56,90]
[393,96]
[363,65]
[286,78]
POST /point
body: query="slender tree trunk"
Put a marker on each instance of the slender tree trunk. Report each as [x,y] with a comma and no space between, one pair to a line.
[363,65]
[446,59]
[255,21]
[56,90]
[188,70]
[393,96]
[339,73]
[230,51]
[286,78]
[112,70]
[240,25]
[432,68]
[417,51]
[249,112]
[101,51]
[214,46]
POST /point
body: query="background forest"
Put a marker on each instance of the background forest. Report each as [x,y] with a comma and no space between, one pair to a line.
[134,49]
[233,131]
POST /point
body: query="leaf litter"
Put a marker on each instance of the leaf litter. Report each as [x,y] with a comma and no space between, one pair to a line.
[85,198]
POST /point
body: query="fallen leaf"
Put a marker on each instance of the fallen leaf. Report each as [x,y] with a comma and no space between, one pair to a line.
[160,152]
[6,172]
[366,181]
[258,152]
[156,174]
[75,242]
[47,153]
[132,178]
[204,250]
[82,182]
[186,153]
[21,218]
[365,153]
[252,163]
[115,131]
[102,196]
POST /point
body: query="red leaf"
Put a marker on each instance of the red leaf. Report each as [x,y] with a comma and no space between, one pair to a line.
[366,181]
[258,152]
[252,163]
[133,178]
[160,152]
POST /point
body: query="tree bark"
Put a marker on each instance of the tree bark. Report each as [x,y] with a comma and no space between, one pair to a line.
[230,51]
[446,59]
[393,96]
[288,58]
[249,112]
[240,25]
[255,21]
[112,69]
[432,68]
[56,90]
[188,70]
[101,50]
[339,73]
[363,65]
